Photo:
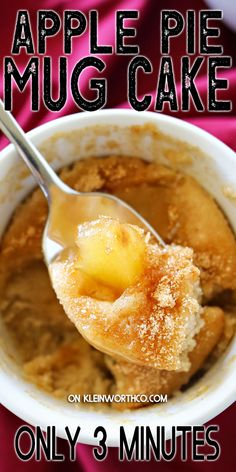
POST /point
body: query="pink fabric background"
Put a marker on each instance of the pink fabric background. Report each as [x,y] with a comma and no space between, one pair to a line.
[221,125]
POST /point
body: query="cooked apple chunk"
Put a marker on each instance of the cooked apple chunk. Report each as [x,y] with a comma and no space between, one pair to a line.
[111,252]
[128,296]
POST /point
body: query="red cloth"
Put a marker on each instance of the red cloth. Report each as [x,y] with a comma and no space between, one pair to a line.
[86,463]
[222,125]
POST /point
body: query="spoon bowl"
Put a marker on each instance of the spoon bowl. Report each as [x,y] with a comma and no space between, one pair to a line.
[70,208]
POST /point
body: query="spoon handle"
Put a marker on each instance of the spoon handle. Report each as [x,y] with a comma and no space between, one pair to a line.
[41,170]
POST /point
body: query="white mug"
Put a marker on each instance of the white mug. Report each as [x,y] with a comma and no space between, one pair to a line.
[123,132]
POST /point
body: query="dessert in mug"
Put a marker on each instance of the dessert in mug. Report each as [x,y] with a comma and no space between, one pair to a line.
[129,297]
[158,315]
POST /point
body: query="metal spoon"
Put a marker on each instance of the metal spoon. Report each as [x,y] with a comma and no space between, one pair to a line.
[67,208]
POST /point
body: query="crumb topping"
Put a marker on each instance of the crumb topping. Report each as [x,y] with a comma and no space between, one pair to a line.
[152,322]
